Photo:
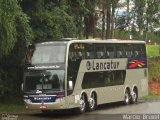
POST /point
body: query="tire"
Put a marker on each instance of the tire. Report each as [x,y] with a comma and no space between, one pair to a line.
[134,96]
[127,97]
[83,104]
[92,103]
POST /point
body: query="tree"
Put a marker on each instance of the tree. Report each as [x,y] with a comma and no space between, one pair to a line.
[15,33]
[111,5]
[103,4]
[49,19]
[8,9]
[146,16]
[140,15]
[85,17]
[90,18]
[152,16]
[108,19]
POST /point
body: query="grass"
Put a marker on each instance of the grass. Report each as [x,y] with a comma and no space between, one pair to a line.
[153,63]
[153,69]
[11,107]
[153,50]
[151,96]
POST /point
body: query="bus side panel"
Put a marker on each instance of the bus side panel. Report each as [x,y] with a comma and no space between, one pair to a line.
[137,77]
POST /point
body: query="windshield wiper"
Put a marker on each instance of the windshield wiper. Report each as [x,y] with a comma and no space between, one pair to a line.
[43,80]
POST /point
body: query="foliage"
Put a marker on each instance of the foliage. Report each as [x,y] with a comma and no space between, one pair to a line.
[142,18]
[3,85]
[85,16]
[53,24]
[24,36]
[152,15]
[153,65]
[151,96]
[15,33]
[49,19]
[11,107]
[14,25]
[25,21]
[153,50]
[8,9]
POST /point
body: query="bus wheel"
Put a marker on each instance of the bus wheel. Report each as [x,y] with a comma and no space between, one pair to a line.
[92,102]
[134,96]
[127,97]
[82,104]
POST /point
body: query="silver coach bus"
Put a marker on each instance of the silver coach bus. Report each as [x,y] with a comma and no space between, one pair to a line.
[82,74]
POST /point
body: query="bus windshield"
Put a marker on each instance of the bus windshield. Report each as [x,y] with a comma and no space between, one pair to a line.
[46,81]
[43,54]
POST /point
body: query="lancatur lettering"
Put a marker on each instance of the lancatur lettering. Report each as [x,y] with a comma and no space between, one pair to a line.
[92,65]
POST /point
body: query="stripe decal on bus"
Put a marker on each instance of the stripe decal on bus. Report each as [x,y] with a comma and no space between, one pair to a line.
[137,63]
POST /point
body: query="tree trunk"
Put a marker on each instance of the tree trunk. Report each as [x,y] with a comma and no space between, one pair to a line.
[103,22]
[108,19]
[127,12]
[128,28]
[86,20]
[80,30]
[93,26]
[112,22]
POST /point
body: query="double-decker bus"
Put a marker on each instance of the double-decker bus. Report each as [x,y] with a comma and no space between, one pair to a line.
[82,74]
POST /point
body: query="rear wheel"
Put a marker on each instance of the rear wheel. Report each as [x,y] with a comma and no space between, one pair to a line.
[134,96]
[92,102]
[127,97]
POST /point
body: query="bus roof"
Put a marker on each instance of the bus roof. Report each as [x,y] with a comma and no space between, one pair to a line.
[108,41]
[74,40]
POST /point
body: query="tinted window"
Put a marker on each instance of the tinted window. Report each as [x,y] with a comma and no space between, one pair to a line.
[102,79]
[50,82]
[99,51]
[129,50]
[110,51]
[139,50]
[120,53]
[89,51]
[76,52]
[46,54]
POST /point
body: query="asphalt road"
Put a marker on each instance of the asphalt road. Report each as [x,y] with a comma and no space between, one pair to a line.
[143,110]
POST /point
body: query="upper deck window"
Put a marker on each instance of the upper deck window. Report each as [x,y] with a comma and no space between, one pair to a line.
[110,51]
[129,50]
[100,51]
[140,51]
[43,54]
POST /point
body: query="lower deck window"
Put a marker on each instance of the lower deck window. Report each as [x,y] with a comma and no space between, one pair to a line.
[102,79]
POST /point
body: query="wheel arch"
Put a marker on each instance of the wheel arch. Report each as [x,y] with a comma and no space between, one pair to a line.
[127,88]
[85,95]
[94,92]
[134,87]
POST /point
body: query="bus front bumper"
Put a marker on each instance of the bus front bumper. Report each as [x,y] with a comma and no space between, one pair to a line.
[45,106]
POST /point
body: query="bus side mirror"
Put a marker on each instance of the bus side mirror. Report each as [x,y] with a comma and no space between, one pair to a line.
[70,85]
[22,87]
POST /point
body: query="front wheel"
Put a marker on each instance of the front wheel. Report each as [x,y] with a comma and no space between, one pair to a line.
[83,104]
[127,97]
[92,102]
